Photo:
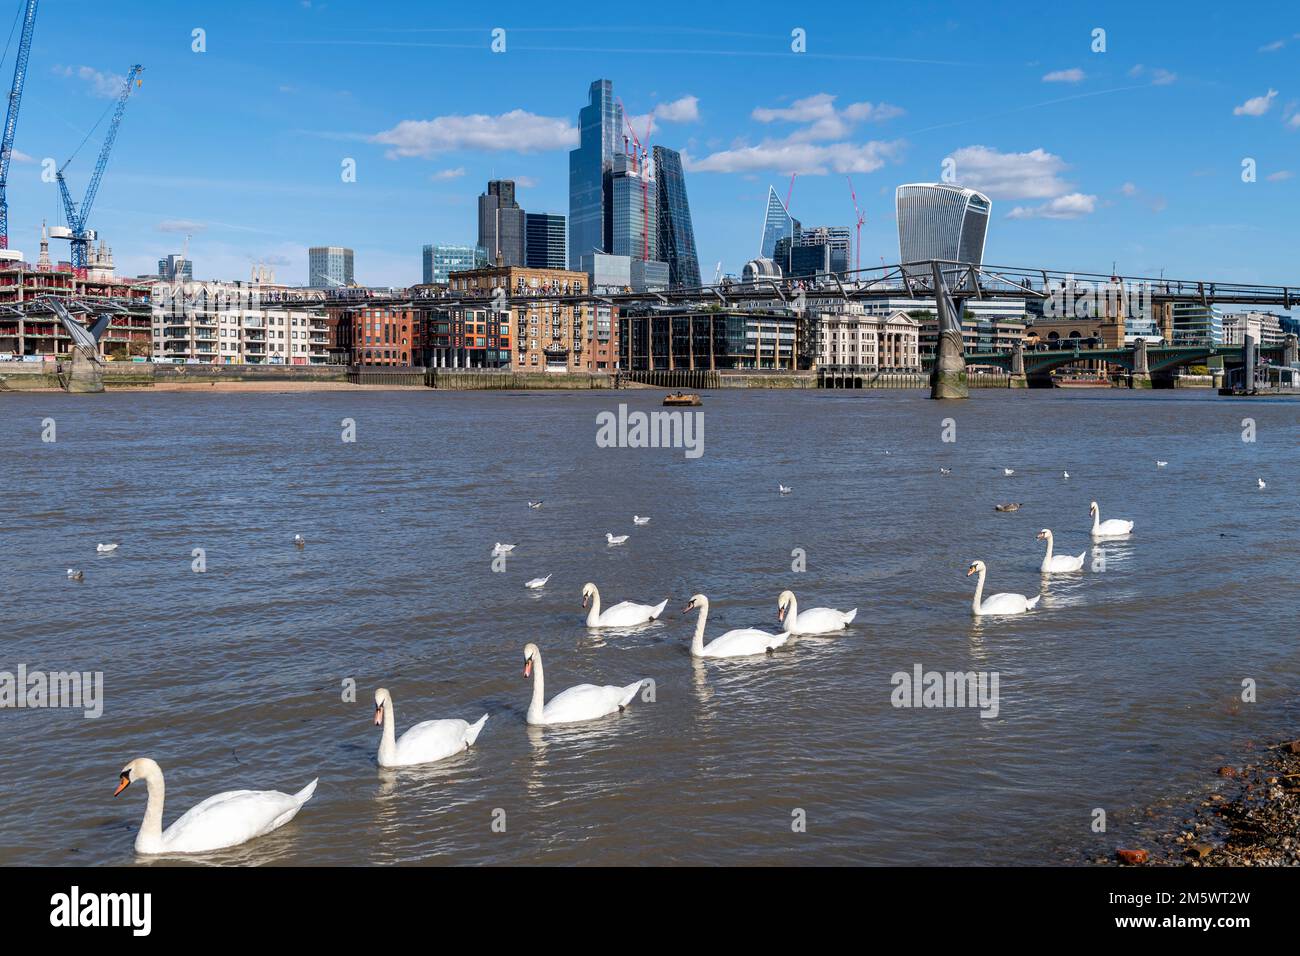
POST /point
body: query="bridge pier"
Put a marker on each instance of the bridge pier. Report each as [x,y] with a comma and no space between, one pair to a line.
[85,375]
[948,378]
[1291,350]
[1140,377]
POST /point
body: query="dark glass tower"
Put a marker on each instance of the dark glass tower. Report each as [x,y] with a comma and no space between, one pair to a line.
[591,165]
[546,246]
[676,235]
[501,224]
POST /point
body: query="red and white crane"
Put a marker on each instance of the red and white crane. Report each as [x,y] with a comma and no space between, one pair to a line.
[641,168]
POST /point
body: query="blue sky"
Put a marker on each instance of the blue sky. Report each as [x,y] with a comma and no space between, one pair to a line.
[1131,155]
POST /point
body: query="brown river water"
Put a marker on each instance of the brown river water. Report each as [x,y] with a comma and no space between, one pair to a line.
[1121,688]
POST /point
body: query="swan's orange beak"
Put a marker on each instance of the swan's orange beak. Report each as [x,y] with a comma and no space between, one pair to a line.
[379,715]
[528,667]
[122,784]
[780,613]
[970,570]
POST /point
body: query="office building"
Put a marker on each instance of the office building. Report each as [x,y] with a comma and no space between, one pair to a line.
[676,234]
[1191,323]
[329,267]
[176,267]
[778,224]
[850,336]
[813,251]
[546,241]
[591,166]
[941,221]
[634,208]
[1264,327]
[667,337]
[379,336]
[501,224]
[441,259]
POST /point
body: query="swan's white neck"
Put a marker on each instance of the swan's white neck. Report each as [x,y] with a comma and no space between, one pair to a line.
[149,839]
[979,592]
[791,614]
[1048,558]
[1096,518]
[538,703]
[388,741]
[593,616]
[697,643]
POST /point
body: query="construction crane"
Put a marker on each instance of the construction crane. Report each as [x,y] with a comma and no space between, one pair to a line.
[790,192]
[76,230]
[862,217]
[11,118]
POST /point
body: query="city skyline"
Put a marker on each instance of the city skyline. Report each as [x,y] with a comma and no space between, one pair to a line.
[1059,137]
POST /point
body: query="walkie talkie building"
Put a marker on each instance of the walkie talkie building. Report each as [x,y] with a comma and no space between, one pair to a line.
[941,221]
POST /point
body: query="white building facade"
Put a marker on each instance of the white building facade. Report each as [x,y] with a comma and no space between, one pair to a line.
[853,337]
[228,323]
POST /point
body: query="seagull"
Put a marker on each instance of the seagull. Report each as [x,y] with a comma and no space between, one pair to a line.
[783,489]
[1262,486]
[105,548]
[637,519]
[945,471]
[500,549]
[1065,475]
[537,583]
[299,540]
[75,575]
[615,539]
[534,504]
[1008,472]
[1161,464]
[1013,506]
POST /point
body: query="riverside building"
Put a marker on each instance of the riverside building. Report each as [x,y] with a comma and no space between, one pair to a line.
[230,323]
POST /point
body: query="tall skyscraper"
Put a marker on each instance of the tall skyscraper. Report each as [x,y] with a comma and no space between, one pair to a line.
[329,266]
[634,207]
[176,267]
[501,224]
[941,221]
[676,235]
[591,166]
[440,260]
[777,224]
[813,250]
[545,246]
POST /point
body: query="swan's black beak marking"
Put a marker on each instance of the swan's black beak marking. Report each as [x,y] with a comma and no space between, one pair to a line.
[124,781]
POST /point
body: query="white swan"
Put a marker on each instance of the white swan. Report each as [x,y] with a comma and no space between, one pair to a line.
[613,539]
[424,742]
[583,702]
[816,620]
[226,819]
[105,548]
[1061,563]
[623,614]
[1111,527]
[637,519]
[746,642]
[537,583]
[997,603]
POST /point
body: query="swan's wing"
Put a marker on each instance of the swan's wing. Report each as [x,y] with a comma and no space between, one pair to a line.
[229,818]
[1005,603]
[744,641]
[820,619]
[626,612]
[432,740]
[582,702]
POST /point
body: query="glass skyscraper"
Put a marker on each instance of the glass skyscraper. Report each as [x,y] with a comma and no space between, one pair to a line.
[941,221]
[676,235]
[777,224]
[634,208]
[545,245]
[591,164]
[501,224]
[329,266]
[440,260]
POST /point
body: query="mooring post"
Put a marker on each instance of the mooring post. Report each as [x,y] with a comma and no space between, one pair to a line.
[948,378]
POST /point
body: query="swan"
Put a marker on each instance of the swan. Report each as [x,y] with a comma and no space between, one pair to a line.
[423,743]
[226,819]
[623,614]
[74,575]
[637,519]
[537,583]
[499,549]
[746,642]
[613,539]
[997,603]
[299,541]
[105,548]
[1112,527]
[534,505]
[783,489]
[1060,563]
[816,620]
[582,702]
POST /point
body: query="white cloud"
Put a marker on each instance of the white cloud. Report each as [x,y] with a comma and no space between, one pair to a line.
[181,225]
[1279,176]
[1256,105]
[1032,175]
[1294,121]
[525,182]
[1159,76]
[1072,75]
[1128,189]
[1272,47]
[788,155]
[683,110]
[1069,206]
[19,156]
[456,173]
[107,85]
[822,121]
[517,131]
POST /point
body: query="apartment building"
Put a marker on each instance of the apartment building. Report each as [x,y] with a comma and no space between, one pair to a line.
[233,323]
